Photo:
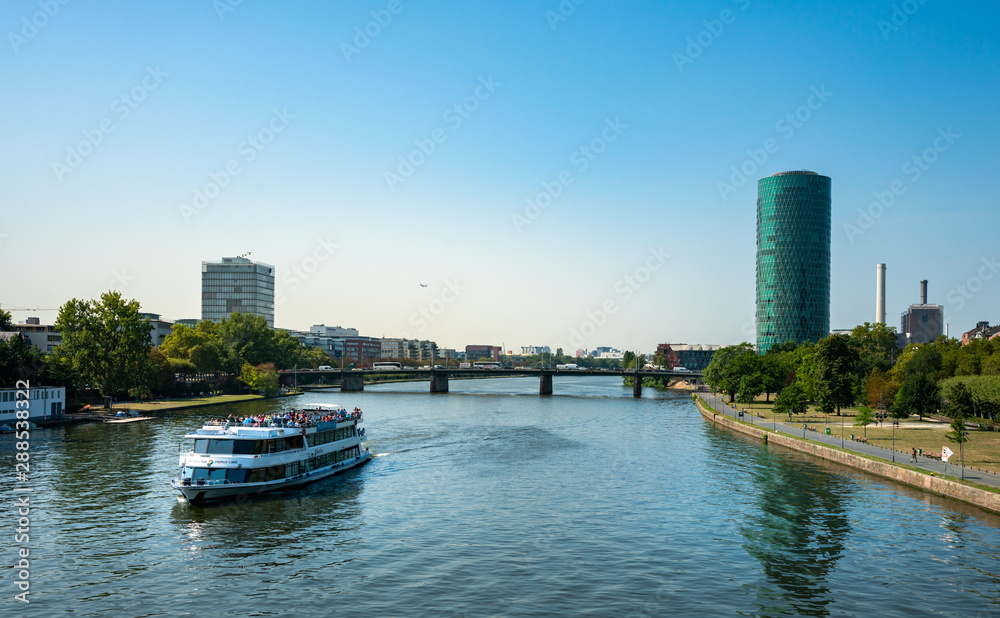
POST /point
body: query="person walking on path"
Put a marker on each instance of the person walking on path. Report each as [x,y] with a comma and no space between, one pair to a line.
[913,459]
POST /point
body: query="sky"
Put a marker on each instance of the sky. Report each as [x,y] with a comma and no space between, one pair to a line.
[573,174]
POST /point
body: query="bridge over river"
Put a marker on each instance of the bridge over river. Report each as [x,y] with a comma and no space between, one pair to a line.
[354,379]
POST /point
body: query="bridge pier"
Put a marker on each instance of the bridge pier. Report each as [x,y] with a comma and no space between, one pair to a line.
[637,387]
[350,383]
[545,384]
[439,382]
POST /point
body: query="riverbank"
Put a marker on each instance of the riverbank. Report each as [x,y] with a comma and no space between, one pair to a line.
[984,494]
[159,407]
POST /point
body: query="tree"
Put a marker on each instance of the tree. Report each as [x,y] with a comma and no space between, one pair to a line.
[106,340]
[835,364]
[6,321]
[245,338]
[877,341]
[865,417]
[776,370]
[880,389]
[960,406]
[249,376]
[791,400]
[267,379]
[918,395]
[728,366]
[751,387]
[17,359]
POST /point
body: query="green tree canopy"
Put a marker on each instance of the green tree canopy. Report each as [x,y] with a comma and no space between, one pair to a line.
[791,400]
[919,395]
[728,366]
[107,342]
[836,361]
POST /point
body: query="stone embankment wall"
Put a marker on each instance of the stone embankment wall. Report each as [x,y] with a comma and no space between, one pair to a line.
[943,487]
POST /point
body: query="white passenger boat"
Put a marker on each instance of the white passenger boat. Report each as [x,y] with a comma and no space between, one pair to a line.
[259,454]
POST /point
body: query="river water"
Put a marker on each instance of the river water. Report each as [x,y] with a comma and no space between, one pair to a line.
[491,500]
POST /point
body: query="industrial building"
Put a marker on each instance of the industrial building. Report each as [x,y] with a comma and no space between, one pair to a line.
[922,323]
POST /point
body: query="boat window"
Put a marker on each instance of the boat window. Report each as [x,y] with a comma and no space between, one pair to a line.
[217,474]
[236,476]
[279,445]
[218,447]
[244,447]
[199,474]
[201,446]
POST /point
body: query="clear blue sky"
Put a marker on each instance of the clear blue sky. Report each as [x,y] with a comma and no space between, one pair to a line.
[666,98]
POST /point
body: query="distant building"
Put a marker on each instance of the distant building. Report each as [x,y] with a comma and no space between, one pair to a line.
[793,258]
[237,285]
[531,350]
[45,403]
[490,352]
[981,331]
[159,329]
[45,337]
[189,322]
[363,349]
[922,323]
[693,357]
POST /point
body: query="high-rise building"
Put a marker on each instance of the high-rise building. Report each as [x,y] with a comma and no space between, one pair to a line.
[237,285]
[793,258]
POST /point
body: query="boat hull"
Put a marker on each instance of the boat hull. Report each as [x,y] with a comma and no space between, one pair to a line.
[195,493]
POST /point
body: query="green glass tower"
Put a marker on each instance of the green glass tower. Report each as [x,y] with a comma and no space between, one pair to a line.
[793,258]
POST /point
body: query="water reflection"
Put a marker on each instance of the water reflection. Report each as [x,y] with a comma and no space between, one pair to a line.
[796,526]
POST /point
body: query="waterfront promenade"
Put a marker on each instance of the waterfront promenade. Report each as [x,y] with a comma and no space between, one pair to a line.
[954,471]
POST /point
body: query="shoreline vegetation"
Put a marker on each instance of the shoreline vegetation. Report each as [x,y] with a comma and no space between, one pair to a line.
[980,495]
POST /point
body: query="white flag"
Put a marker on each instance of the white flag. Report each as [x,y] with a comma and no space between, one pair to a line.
[945,453]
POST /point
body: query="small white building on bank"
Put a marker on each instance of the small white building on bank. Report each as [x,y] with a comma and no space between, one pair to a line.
[45,403]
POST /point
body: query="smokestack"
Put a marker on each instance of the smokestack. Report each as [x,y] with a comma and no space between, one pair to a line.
[880,294]
[923,291]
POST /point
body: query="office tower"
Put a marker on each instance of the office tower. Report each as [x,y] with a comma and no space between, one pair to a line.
[793,258]
[237,285]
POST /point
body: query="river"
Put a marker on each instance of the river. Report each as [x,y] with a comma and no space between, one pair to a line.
[491,500]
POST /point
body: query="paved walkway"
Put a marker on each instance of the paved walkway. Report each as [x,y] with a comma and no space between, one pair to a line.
[718,403]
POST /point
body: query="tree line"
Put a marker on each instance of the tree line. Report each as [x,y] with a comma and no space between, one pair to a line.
[865,367]
[107,348]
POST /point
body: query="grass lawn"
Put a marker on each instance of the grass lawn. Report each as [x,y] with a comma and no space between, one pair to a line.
[173,404]
[982,451]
